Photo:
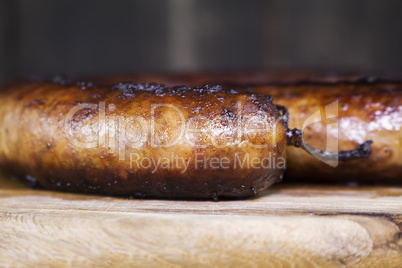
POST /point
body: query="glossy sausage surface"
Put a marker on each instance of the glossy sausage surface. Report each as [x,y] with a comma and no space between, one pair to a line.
[346,115]
[128,139]
[368,108]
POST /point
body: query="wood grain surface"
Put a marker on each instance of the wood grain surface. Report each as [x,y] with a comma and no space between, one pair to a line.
[290,225]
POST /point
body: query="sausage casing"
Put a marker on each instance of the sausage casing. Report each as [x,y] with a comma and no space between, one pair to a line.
[368,108]
[128,140]
[346,114]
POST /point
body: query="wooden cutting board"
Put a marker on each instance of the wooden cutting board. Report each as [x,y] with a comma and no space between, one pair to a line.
[307,226]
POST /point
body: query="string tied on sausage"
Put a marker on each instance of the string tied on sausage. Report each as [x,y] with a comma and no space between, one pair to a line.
[295,138]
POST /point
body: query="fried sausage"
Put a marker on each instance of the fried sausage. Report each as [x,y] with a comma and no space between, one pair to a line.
[366,107]
[129,140]
[147,140]
[347,114]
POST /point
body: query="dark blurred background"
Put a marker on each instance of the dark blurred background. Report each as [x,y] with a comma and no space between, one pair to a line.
[77,37]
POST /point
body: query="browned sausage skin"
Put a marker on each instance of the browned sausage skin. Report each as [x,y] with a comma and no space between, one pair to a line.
[147,139]
[365,111]
[126,140]
[368,108]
